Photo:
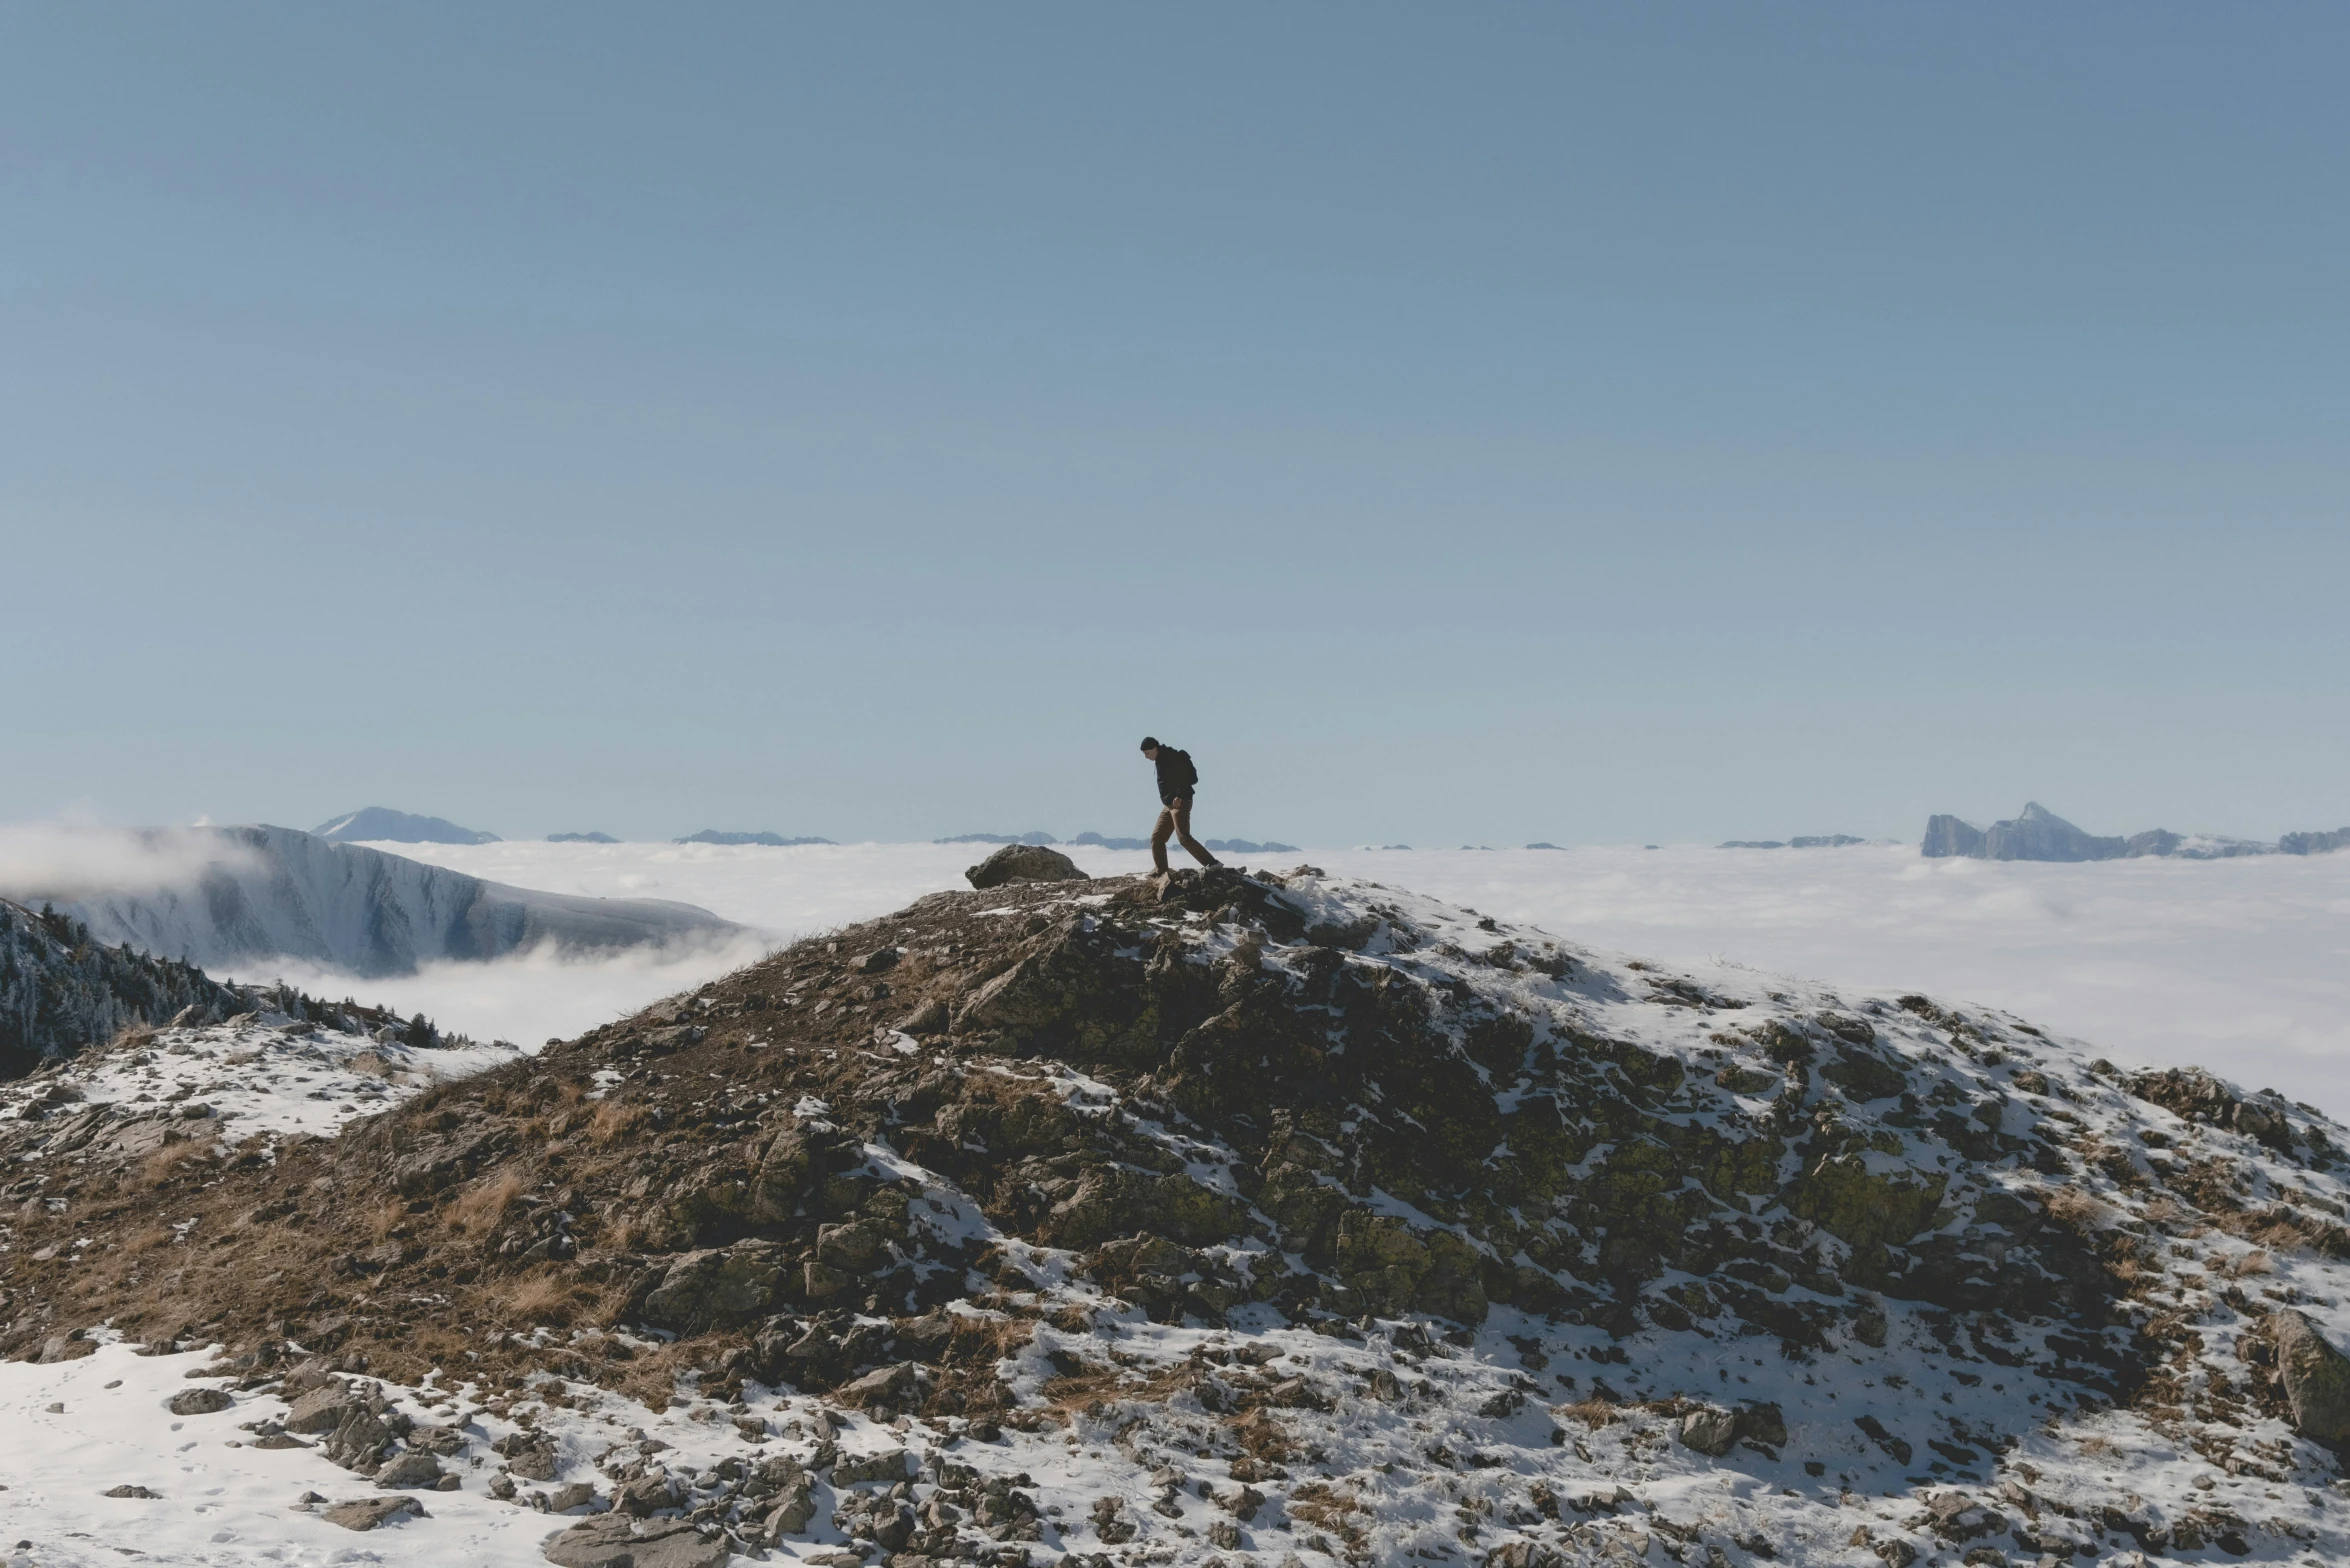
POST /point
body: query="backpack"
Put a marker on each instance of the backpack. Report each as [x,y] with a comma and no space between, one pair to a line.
[1183,766]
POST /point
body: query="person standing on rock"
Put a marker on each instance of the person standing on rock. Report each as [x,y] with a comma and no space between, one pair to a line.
[1177,780]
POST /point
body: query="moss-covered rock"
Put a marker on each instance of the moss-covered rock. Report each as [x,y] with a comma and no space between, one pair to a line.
[1393,1268]
[1865,1208]
[1111,1202]
[1864,1075]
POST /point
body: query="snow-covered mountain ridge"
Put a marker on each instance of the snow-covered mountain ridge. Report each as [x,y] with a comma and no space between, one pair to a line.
[1290,1215]
[265,892]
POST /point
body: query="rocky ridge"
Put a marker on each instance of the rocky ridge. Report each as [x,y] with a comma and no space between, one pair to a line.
[1281,1215]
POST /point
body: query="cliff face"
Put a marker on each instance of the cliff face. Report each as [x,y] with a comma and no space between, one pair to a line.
[1947,836]
[1421,1229]
[274,891]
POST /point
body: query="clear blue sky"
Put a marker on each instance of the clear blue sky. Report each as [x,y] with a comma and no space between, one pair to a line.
[1453,424]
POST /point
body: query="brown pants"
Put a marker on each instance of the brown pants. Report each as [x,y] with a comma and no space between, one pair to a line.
[1175,822]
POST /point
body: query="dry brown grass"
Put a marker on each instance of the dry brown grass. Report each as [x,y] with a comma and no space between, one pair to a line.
[2078,1210]
[1593,1413]
[483,1206]
[2282,1229]
[540,1298]
[158,1168]
[651,1379]
[614,1121]
[148,1240]
[1327,1508]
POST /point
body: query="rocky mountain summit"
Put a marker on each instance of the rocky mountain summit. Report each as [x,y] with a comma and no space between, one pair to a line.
[1259,1217]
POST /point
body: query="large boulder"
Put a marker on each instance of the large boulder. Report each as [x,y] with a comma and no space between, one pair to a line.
[322,1408]
[200,1401]
[413,1468]
[717,1288]
[368,1513]
[1024,863]
[1709,1429]
[889,1465]
[617,1541]
[2316,1377]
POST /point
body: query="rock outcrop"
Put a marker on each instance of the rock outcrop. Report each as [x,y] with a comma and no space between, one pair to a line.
[1023,863]
[1948,837]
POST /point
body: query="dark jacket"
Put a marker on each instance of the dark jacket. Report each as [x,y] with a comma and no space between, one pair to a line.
[1177,777]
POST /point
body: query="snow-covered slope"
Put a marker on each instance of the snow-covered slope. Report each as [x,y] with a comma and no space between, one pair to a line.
[263,1072]
[1294,1216]
[266,892]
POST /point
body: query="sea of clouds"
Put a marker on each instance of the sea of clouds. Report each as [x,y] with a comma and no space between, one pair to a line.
[2239,965]
[68,858]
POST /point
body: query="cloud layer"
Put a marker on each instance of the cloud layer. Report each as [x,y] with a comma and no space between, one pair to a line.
[2242,966]
[69,860]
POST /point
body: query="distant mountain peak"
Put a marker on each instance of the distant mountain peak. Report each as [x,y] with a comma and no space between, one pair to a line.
[2036,833]
[1039,838]
[383,825]
[773,840]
